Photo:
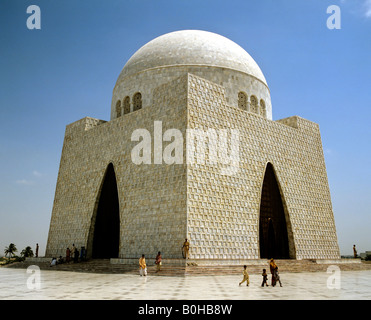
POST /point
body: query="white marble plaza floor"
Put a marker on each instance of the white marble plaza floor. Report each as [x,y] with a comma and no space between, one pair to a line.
[17,284]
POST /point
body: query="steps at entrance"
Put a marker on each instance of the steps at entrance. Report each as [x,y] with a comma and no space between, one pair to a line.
[191,269]
[99,266]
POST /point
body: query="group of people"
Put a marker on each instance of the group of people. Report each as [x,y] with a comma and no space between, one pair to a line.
[274,272]
[158,260]
[143,264]
[72,254]
[56,261]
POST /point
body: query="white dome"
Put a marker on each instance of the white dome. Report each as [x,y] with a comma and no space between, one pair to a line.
[192,48]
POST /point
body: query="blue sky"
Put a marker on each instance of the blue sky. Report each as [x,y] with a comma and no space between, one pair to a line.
[67,70]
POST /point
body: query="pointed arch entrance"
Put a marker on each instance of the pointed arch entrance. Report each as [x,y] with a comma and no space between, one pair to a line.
[273,224]
[105,228]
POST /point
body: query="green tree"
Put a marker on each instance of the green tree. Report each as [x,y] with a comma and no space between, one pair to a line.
[10,250]
[27,252]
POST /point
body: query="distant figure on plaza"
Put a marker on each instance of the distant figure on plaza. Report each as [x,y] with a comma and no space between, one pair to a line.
[73,251]
[158,261]
[53,262]
[277,276]
[68,255]
[37,250]
[354,251]
[245,276]
[76,255]
[142,266]
[265,278]
[273,267]
[185,249]
[82,254]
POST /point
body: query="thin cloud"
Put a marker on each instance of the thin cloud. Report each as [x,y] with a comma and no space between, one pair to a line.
[367,6]
[36,173]
[358,7]
[24,182]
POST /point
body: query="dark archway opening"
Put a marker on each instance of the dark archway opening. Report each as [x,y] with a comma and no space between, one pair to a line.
[273,236]
[107,222]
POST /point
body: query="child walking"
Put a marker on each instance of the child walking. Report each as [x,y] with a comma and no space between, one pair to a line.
[245,276]
[265,278]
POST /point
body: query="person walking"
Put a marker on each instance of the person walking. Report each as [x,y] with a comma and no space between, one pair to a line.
[142,266]
[265,278]
[37,250]
[245,276]
[273,266]
[158,261]
[277,276]
[354,251]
